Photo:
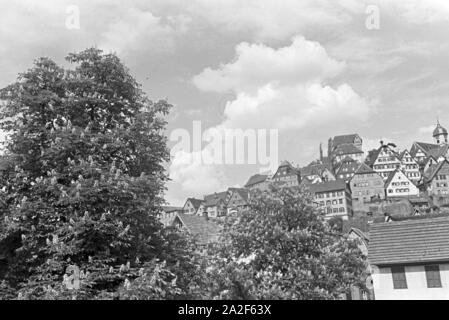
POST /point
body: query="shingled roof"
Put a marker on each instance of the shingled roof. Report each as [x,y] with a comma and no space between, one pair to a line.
[409,241]
[195,202]
[205,229]
[364,169]
[344,139]
[256,179]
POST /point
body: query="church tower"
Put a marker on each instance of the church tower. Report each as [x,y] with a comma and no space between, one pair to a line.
[440,134]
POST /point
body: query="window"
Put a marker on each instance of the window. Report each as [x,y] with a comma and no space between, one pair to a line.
[433,276]
[399,279]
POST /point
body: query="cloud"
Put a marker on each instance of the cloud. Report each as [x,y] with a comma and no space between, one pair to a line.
[257,64]
[427,129]
[195,177]
[282,89]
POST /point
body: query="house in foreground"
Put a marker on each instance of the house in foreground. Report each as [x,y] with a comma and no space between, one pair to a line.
[410,259]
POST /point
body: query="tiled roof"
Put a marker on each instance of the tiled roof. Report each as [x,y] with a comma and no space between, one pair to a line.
[390,177]
[425,147]
[215,198]
[328,186]
[255,179]
[348,167]
[168,209]
[195,202]
[344,139]
[438,152]
[364,169]
[410,241]
[313,169]
[347,148]
[433,170]
[205,229]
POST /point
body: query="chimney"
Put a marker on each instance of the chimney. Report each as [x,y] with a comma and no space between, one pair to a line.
[205,214]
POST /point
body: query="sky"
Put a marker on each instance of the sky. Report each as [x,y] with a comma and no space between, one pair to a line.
[309,69]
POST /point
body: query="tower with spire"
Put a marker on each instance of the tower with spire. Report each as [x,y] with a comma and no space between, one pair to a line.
[440,134]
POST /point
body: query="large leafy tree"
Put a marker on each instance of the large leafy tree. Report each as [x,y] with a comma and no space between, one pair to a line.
[88,149]
[281,248]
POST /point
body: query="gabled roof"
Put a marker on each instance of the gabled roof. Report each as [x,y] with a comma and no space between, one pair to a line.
[196,203]
[439,152]
[364,169]
[391,176]
[314,169]
[214,199]
[364,236]
[348,167]
[243,193]
[335,185]
[372,156]
[410,241]
[205,229]
[424,147]
[433,170]
[287,164]
[256,179]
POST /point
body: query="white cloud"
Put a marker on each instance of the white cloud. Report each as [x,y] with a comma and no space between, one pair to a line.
[427,129]
[256,65]
[192,176]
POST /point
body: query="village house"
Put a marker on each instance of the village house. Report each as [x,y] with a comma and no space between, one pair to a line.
[438,150]
[410,166]
[168,214]
[344,151]
[192,206]
[366,185]
[258,182]
[436,179]
[316,172]
[333,197]
[238,200]
[399,185]
[287,175]
[347,169]
[384,161]
[353,139]
[215,205]
[410,259]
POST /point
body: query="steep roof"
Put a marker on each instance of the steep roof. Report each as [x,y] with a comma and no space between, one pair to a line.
[255,179]
[425,147]
[364,169]
[433,170]
[205,229]
[215,198]
[348,167]
[391,176]
[409,241]
[372,156]
[195,202]
[328,186]
[436,153]
[314,169]
[168,209]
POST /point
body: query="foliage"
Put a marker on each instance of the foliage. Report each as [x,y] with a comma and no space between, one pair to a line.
[282,249]
[88,150]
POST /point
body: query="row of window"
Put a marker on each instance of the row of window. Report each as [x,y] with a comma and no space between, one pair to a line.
[432,276]
[329,203]
[441,177]
[386,166]
[405,190]
[442,184]
[398,184]
[330,194]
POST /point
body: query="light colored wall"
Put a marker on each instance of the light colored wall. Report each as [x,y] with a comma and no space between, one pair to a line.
[416,283]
